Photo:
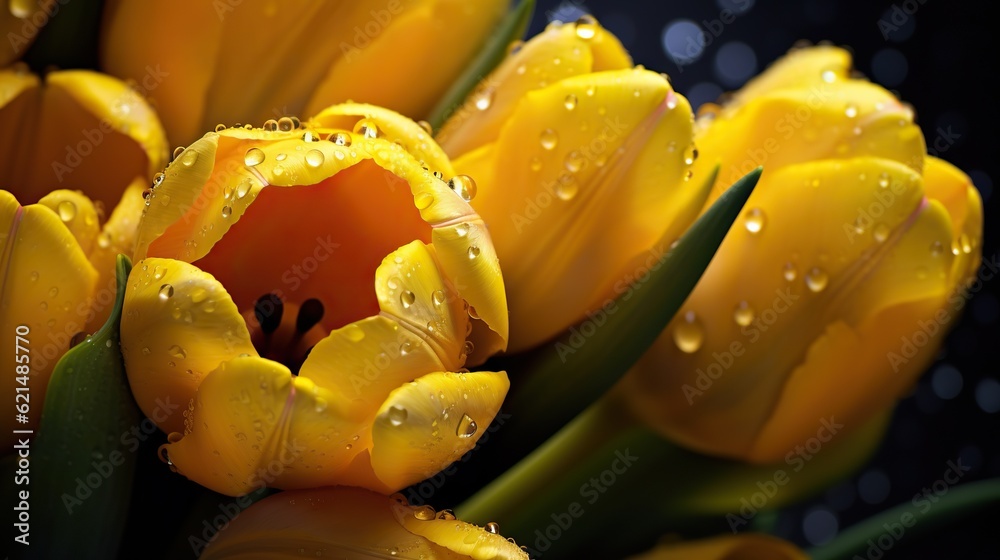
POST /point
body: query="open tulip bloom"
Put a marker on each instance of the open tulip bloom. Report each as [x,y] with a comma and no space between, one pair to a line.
[314,322]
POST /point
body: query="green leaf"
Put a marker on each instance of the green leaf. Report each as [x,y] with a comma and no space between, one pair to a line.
[511,28]
[81,462]
[556,382]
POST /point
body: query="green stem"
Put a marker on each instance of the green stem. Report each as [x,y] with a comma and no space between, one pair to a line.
[897,522]
[507,493]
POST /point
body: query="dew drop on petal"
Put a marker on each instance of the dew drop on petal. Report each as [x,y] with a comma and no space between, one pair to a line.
[566,190]
[254,156]
[467,427]
[743,314]
[464,186]
[755,220]
[340,139]
[473,252]
[177,352]
[492,527]
[66,210]
[816,279]
[483,99]
[438,297]
[227,211]
[423,200]
[880,233]
[397,415]
[314,158]
[424,513]
[407,298]
[570,102]
[689,333]
[789,272]
[549,139]
[166,291]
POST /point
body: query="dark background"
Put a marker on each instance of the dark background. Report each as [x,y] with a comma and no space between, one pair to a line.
[939,57]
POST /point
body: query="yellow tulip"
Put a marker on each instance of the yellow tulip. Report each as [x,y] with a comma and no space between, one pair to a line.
[77,130]
[747,546]
[251,60]
[583,164]
[830,296]
[337,239]
[57,268]
[351,523]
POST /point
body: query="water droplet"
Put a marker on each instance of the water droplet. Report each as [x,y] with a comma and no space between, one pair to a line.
[166,291]
[549,139]
[220,127]
[828,76]
[321,406]
[177,352]
[315,158]
[424,513]
[536,163]
[438,297]
[310,136]
[492,527]
[937,248]
[397,415]
[467,427]
[473,252]
[340,138]
[227,211]
[66,210]
[483,99]
[755,220]
[253,157]
[690,154]
[965,243]
[574,161]
[426,126]
[743,314]
[354,333]
[103,240]
[464,186]
[688,333]
[405,348]
[468,348]
[851,111]
[278,170]
[243,188]
[586,27]
[567,190]
[423,200]
[570,102]
[366,128]
[462,229]
[880,233]
[883,180]
[407,298]
[816,279]
[34,276]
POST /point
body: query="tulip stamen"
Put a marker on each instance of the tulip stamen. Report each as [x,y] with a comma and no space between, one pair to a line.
[284,331]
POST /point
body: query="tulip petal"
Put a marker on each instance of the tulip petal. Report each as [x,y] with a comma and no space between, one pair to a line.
[465,539]
[45,277]
[746,546]
[116,237]
[77,212]
[417,32]
[790,287]
[82,130]
[426,425]
[839,120]
[179,325]
[951,187]
[799,69]
[260,426]
[585,169]
[421,328]
[393,127]
[338,522]
[19,23]
[559,52]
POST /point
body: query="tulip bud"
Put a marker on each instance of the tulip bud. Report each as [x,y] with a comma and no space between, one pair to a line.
[583,165]
[831,295]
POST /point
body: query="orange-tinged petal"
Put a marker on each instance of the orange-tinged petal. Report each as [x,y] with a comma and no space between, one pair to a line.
[117,236]
[559,52]
[814,271]
[338,522]
[426,425]
[82,131]
[253,424]
[460,537]
[421,328]
[747,546]
[179,324]
[614,158]
[393,127]
[45,277]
